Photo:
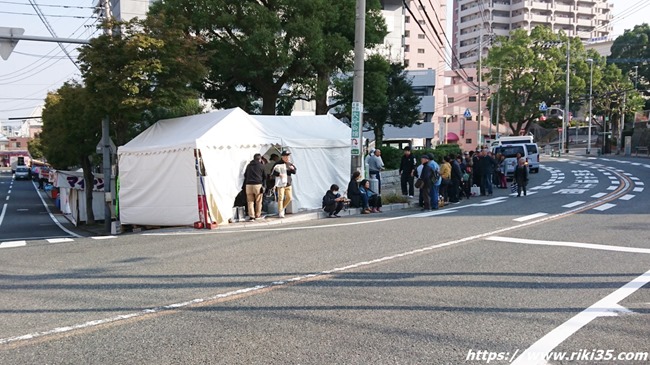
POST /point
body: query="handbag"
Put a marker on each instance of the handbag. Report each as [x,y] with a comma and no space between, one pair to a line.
[475,190]
[419,183]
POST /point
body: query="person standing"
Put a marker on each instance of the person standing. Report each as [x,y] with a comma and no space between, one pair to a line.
[407,172]
[456,179]
[426,175]
[487,171]
[521,176]
[435,186]
[268,170]
[282,172]
[375,165]
[445,173]
[254,177]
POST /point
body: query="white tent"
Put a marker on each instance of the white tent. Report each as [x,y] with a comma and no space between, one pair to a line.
[157,169]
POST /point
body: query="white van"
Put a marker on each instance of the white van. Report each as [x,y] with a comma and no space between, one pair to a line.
[529,151]
[512,140]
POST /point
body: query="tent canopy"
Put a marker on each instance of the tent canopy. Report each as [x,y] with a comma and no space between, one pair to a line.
[158,184]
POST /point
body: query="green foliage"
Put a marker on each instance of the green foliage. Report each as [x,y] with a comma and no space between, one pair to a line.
[388,97]
[532,73]
[146,66]
[35,148]
[634,44]
[391,156]
[393,198]
[71,126]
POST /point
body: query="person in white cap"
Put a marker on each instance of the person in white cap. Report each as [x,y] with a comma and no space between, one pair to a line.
[282,171]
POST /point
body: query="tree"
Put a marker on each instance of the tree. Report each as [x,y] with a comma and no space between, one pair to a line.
[389,98]
[143,67]
[532,73]
[632,49]
[71,130]
[35,148]
[255,47]
[338,44]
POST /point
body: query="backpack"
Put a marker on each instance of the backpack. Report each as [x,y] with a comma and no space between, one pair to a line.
[435,175]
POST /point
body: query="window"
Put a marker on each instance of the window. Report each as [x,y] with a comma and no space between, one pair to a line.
[407,19]
[470,78]
[407,33]
[450,100]
[17,144]
[421,22]
[420,65]
[420,7]
[472,98]
[421,50]
[420,36]
[406,62]
[407,48]
[468,141]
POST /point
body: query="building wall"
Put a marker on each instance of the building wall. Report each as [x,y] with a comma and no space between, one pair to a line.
[128,9]
[586,19]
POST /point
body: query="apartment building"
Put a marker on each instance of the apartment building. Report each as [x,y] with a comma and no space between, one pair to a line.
[587,19]
[125,10]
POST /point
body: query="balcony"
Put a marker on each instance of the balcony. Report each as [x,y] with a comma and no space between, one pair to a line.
[427,104]
[500,6]
[541,5]
[519,18]
[585,22]
[538,18]
[563,7]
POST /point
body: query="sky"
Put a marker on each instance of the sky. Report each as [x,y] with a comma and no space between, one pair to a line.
[34,68]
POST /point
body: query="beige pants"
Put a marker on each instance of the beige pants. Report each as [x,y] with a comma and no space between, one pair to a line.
[254,199]
[284,197]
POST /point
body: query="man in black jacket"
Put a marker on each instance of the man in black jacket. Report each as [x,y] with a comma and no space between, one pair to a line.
[254,177]
[407,171]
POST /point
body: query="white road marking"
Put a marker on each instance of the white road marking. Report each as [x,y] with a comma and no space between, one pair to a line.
[59,240]
[627,197]
[613,178]
[613,187]
[634,178]
[574,204]
[636,164]
[605,207]
[22,210]
[591,246]
[56,221]
[605,307]
[9,244]
[529,217]
[103,237]
[639,183]
[9,192]
[599,195]
[2,215]
[638,190]
[606,173]
[7,197]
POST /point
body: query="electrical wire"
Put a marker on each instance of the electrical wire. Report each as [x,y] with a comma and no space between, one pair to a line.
[50,6]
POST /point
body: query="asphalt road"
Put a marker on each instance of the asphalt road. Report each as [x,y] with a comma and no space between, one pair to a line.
[563,270]
[24,214]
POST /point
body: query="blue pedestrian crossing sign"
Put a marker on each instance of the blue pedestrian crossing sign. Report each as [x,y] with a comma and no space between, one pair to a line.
[467,114]
[543,107]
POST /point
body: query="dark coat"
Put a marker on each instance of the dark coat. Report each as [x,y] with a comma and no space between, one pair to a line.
[407,165]
[521,175]
[330,198]
[254,173]
[354,194]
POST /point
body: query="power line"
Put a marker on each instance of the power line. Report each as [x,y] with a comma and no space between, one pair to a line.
[49,15]
[51,30]
[50,6]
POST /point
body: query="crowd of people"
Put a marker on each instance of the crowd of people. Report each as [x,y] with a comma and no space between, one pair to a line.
[447,182]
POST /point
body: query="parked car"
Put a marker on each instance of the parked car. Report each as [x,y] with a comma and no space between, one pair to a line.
[22,173]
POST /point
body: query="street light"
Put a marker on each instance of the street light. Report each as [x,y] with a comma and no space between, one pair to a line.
[591,81]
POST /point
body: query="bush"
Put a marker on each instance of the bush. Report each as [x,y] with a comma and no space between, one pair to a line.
[391,156]
[393,198]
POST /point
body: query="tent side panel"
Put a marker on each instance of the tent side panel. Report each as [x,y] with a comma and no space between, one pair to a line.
[158,188]
[225,176]
[317,170]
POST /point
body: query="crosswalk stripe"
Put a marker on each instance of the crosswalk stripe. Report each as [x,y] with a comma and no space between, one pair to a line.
[59,240]
[605,207]
[574,204]
[13,244]
[529,217]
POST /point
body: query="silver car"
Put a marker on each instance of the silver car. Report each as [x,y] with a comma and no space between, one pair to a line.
[22,173]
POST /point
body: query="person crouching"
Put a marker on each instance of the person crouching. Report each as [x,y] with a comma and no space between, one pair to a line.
[333,202]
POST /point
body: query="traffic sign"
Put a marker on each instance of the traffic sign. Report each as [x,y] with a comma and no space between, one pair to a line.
[543,107]
[7,45]
[467,114]
[355,126]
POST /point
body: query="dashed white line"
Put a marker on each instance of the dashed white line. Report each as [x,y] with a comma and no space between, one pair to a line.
[599,195]
[529,217]
[638,190]
[9,244]
[103,237]
[59,240]
[634,178]
[640,183]
[2,215]
[605,207]
[613,187]
[627,197]
[574,204]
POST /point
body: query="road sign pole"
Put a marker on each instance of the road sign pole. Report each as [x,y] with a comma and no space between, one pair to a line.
[357,87]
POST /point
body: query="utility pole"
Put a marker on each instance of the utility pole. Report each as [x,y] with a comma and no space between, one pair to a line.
[357,88]
[491,114]
[591,81]
[566,120]
[478,98]
[498,100]
[619,140]
[106,147]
